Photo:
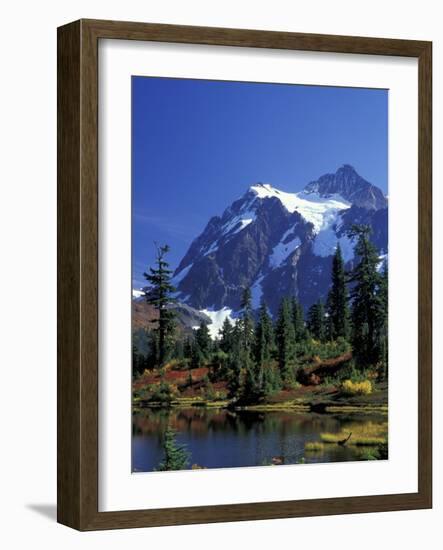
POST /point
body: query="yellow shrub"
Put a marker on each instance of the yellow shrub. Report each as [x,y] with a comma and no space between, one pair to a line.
[349,387]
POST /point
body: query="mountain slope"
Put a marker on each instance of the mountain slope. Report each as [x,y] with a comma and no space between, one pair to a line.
[145,315]
[279,243]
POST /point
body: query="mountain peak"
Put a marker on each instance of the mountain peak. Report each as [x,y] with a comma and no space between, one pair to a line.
[262,188]
[346,169]
[347,183]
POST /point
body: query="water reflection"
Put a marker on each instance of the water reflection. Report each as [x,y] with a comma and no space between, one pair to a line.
[222,439]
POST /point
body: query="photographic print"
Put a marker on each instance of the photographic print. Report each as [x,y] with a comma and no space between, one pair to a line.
[259,274]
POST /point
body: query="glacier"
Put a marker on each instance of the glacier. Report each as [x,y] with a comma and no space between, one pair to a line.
[217,319]
[319,211]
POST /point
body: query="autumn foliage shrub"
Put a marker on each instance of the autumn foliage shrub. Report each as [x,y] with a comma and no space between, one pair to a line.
[364,387]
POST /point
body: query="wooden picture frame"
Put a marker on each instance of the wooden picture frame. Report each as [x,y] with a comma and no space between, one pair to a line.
[78,274]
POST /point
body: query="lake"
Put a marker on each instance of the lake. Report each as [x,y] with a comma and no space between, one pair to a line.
[227,439]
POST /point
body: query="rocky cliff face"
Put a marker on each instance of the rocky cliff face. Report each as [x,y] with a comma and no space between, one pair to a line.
[280,243]
[352,187]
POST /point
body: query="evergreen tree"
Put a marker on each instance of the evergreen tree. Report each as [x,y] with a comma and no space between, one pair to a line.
[298,320]
[264,337]
[197,356]
[139,362]
[367,310]
[189,380]
[337,303]
[285,339]
[187,348]
[260,377]
[175,456]
[136,362]
[252,384]
[226,336]
[160,296]
[235,362]
[316,321]
[271,380]
[179,349]
[383,322]
[153,354]
[248,376]
[203,340]
[268,378]
[219,365]
[247,321]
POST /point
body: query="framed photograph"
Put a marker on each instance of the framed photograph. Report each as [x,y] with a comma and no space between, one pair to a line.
[244,274]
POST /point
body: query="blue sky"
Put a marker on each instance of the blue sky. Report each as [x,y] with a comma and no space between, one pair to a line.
[197,145]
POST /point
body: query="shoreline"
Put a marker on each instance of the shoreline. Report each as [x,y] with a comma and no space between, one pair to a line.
[289,406]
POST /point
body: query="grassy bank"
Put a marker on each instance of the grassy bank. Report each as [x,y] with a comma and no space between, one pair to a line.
[371,438]
[174,388]
[315,400]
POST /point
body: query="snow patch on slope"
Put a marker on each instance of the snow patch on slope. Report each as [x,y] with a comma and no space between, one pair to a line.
[313,208]
[217,319]
[347,247]
[282,250]
[238,223]
[256,293]
[181,275]
[212,248]
[326,242]
[229,229]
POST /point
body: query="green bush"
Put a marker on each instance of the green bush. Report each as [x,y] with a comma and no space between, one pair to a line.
[159,393]
[322,350]
[290,382]
[218,369]
[207,390]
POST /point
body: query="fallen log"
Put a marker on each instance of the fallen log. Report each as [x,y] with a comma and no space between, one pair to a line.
[315,374]
[343,442]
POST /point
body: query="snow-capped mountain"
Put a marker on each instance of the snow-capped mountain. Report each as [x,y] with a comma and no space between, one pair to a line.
[280,243]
